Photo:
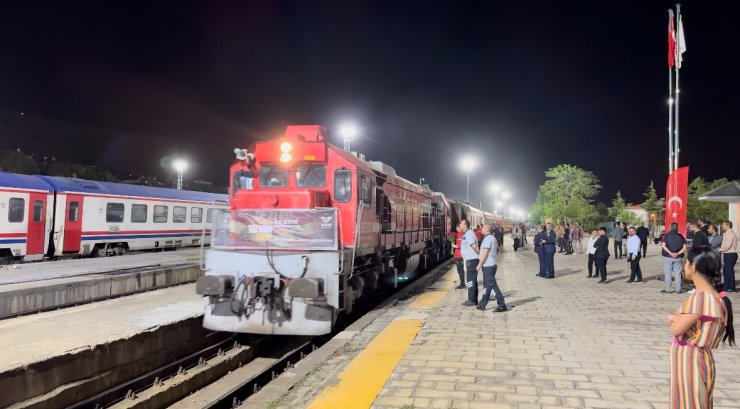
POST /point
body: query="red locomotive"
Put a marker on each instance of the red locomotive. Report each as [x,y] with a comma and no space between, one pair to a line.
[312,228]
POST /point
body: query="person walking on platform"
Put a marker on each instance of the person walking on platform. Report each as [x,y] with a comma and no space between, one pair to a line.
[633,256]
[498,234]
[478,234]
[698,326]
[673,247]
[643,233]
[487,264]
[539,249]
[576,234]
[559,233]
[591,250]
[728,249]
[566,240]
[524,234]
[469,252]
[458,258]
[618,236]
[548,246]
[601,254]
[516,236]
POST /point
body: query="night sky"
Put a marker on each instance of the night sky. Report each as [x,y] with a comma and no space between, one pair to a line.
[523,86]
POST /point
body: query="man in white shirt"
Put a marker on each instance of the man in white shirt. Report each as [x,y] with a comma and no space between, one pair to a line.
[633,256]
[591,251]
[469,252]
[487,264]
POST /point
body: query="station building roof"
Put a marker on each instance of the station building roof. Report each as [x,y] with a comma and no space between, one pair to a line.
[729,192]
[65,184]
[16,181]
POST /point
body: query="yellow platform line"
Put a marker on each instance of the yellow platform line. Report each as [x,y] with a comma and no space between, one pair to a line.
[433,296]
[362,379]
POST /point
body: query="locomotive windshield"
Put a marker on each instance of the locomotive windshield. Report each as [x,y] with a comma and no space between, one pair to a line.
[273,176]
[310,175]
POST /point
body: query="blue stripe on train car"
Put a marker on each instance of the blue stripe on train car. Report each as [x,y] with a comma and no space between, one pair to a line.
[141,236]
[12,241]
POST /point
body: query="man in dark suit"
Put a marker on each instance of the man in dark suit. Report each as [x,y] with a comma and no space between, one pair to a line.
[601,254]
[548,246]
[643,233]
[538,249]
[700,238]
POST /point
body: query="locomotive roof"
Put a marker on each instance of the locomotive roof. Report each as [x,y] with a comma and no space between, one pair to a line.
[17,181]
[65,184]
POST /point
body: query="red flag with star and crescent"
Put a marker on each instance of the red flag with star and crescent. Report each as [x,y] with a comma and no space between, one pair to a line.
[671,40]
[676,193]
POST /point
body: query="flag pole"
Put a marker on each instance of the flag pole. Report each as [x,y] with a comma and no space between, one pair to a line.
[670,98]
[678,89]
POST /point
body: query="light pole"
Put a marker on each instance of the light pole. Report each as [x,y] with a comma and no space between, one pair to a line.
[348,132]
[468,164]
[495,188]
[180,165]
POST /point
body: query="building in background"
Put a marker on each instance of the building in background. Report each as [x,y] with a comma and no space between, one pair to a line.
[728,193]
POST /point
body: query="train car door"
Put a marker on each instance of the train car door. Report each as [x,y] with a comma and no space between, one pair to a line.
[36,223]
[73,224]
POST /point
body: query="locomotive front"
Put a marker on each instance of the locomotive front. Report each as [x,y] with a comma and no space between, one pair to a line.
[276,263]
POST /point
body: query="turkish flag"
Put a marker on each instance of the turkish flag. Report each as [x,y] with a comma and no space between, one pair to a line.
[671,40]
[675,199]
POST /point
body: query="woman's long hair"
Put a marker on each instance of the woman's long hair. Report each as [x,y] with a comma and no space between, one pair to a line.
[706,262]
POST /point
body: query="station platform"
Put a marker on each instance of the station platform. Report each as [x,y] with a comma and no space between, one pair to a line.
[565,343]
[31,287]
[55,354]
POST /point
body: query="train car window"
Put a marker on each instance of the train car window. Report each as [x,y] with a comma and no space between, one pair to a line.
[273,176]
[310,175]
[196,215]
[366,191]
[160,214]
[179,214]
[243,180]
[138,213]
[342,185]
[209,215]
[38,206]
[114,213]
[74,211]
[16,210]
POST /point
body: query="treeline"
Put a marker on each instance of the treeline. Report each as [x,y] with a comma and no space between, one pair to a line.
[569,194]
[15,161]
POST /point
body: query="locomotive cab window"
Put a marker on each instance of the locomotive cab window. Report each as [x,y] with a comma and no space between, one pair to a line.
[138,213]
[273,176]
[114,213]
[160,214]
[38,207]
[342,185]
[310,175]
[196,215]
[74,211]
[16,210]
[243,180]
[179,214]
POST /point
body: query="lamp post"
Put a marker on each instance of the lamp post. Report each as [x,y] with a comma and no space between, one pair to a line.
[495,188]
[348,132]
[468,164]
[180,165]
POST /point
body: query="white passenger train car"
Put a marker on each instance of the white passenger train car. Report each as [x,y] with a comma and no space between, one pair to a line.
[25,212]
[56,216]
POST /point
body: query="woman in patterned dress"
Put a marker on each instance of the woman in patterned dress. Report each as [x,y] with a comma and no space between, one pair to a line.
[698,326]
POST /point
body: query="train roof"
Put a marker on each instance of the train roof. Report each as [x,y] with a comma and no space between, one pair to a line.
[16,181]
[65,184]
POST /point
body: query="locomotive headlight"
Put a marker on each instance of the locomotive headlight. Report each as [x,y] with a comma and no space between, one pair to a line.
[286,147]
[285,157]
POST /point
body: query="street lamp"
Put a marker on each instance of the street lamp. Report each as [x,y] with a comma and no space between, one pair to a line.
[180,165]
[348,132]
[468,164]
[495,188]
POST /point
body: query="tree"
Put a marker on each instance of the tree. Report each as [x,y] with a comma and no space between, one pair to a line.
[652,203]
[566,194]
[618,207]
[17,162]
[712,211]
[77,170]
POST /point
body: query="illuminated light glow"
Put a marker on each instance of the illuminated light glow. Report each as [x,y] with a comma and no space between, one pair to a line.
[506,195]
[309,157]
[348,130]
[467,164]
[495,188]
[286,147]
[285,157]
[180,165]
[499,203]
